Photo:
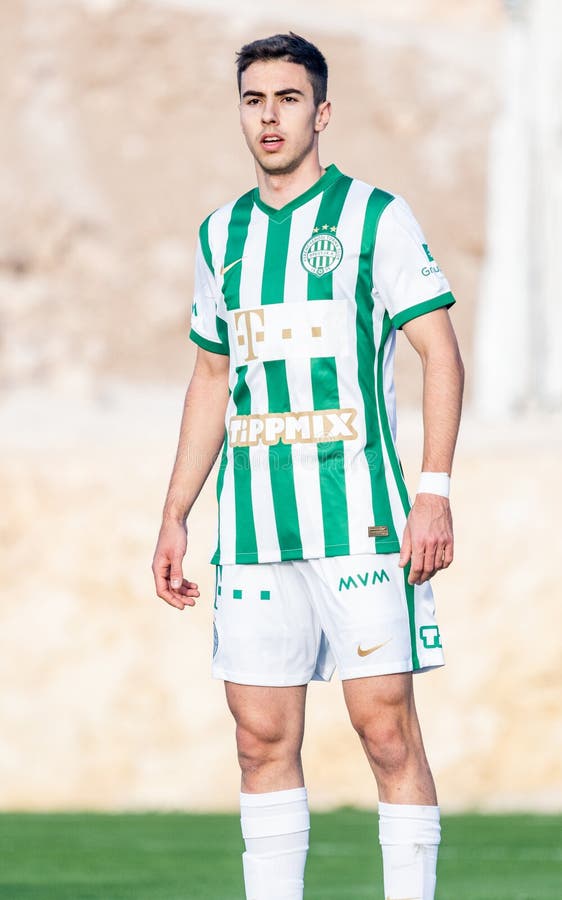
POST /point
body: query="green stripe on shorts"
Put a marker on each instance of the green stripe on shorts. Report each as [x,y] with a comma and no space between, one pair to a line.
[410,601]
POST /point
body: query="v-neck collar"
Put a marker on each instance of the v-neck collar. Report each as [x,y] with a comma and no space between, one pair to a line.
[331,175]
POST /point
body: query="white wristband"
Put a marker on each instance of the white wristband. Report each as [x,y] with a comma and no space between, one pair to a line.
[434,483]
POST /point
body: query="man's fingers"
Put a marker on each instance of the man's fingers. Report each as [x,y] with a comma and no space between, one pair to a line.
[164,592]
[406,549]
[448,554]
[426,561]
[160,579]
[176,574]
[171,586]
[170,598]
[421,575]
[443,557]
[178,597]
[429,533]
[417,567]
[188,589]
[439,557]
[181,596]
[430,560]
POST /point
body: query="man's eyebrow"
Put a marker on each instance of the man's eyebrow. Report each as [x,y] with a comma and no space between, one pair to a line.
[280,93]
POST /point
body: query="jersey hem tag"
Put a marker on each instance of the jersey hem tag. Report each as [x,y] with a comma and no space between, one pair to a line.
[378,530]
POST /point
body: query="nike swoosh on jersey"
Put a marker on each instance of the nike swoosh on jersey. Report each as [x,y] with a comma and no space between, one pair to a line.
[225,269]
[361,652]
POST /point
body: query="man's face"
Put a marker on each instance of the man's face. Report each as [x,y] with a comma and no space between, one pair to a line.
[279,119]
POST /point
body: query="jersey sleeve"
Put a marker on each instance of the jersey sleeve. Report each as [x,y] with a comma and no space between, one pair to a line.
[208,329]
[405,274]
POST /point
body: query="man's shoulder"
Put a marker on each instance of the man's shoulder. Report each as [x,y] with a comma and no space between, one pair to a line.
[374,203]
[223,213]
[397,210]
[367,187]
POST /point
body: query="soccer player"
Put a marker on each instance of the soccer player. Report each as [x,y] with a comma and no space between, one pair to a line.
[300,287]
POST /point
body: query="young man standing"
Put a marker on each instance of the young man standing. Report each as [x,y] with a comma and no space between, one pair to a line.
[300,287]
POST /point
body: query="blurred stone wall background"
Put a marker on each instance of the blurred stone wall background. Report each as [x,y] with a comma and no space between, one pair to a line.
[119,134]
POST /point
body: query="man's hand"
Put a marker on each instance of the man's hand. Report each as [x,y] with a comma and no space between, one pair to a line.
[428,538]
[171,586]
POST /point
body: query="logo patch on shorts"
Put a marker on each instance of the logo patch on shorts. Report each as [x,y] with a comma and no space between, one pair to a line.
[363,578]
[215,640]
[361,652]
[430,637]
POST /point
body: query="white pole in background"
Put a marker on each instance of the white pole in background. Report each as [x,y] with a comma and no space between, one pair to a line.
[502,364]
[546,40]
[518,337]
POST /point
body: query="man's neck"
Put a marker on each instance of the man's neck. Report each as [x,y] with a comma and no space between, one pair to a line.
[278,190]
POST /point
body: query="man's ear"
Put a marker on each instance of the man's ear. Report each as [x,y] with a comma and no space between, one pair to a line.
[323,114]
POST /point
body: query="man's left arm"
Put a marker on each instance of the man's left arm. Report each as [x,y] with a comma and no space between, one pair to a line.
[428,537]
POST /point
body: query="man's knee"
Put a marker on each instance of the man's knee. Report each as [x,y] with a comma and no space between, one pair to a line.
[258,741]
[388,736]
[383,713]
[269,724]
[263,743]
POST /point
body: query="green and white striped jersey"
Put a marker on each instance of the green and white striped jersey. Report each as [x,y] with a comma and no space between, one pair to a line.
[306,301]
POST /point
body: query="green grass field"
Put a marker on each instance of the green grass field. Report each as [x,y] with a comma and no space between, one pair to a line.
[176,856]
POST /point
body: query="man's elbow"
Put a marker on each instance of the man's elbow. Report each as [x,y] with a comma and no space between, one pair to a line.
[456,359]
[459,365]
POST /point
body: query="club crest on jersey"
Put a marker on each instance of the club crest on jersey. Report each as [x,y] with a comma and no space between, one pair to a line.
[323,252]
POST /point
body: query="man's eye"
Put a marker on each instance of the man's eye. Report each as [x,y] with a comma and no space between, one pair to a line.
[290,99]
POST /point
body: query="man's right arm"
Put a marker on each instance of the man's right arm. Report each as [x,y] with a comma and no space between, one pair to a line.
[200,442]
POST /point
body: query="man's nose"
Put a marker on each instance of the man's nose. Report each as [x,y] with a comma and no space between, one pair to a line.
[269,111]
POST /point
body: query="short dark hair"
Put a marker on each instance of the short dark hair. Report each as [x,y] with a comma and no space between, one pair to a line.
[293,48]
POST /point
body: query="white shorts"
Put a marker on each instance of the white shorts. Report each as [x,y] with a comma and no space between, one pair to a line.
[287,623]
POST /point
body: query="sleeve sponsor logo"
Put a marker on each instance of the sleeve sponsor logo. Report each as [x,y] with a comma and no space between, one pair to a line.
[433,269]
[314,426]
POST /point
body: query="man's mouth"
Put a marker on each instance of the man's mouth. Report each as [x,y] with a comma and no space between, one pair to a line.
[271,142]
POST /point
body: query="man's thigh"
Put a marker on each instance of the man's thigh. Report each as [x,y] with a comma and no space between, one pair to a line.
[268,714]
[379,696]
[382,709]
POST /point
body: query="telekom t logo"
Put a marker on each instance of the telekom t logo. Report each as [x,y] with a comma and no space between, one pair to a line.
[249,325]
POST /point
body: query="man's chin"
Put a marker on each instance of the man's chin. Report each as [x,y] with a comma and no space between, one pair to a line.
[272,166]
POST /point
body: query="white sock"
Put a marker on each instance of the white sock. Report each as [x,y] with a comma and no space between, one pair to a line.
[275,828]
[409,838]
